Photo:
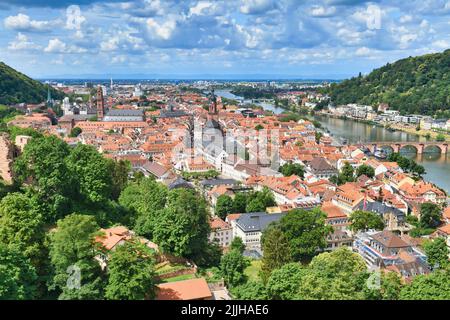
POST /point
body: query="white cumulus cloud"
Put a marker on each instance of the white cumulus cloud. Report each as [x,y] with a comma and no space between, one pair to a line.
[22,22]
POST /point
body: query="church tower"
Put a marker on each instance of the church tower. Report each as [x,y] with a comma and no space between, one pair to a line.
[100,103]
[213,104]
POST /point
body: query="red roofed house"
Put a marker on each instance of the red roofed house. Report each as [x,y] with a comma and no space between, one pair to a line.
[337,218]
[193,289]
[221,232]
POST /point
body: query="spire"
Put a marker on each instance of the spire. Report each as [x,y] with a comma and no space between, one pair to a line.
[213,103]
[49,98]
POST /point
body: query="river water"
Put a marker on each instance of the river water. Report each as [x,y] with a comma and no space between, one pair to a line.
[437,166]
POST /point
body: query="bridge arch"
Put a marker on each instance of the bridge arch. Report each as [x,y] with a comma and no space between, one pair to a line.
[387,148]
[432,148]
[409,148]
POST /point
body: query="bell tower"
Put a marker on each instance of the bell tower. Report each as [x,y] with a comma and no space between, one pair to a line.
[100,104]
[213,104]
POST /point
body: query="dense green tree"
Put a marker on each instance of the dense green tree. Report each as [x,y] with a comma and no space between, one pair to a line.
[144,198]
[433,286]
[251,290]
[347,173]
[430,215]
[365,170]
[338,262]
[440,137]
[386,286]
[182,228]
[258,201]
[237,244]
[437,253]
[363,220]
[72,252]
[119,171]
[131,273]
[276,251]
[406,164]
[306,232]
[232,267]
[240,202]
[338,275]
[17,275]
[284,282]
[224,206]
[75,132]
[289,169]
[21,224]
[92,172]
[42,165]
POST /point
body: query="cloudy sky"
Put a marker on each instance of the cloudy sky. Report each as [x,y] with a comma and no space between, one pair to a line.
[322,39]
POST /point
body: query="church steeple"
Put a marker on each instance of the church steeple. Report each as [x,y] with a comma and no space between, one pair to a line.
[213,103]
[49,98]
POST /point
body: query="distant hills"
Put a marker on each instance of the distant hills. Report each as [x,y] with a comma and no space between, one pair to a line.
[418,85]
[15,87]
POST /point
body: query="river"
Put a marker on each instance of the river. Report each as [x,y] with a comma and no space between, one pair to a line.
[437,166]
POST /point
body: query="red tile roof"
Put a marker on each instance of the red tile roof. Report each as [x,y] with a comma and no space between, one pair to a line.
[193,289]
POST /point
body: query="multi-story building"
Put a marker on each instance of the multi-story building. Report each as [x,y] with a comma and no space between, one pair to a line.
[249,227]
[385,250]
[221,232]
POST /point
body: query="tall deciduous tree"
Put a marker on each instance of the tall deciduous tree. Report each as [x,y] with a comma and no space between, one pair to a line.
[306,232]
[119,171]
[364,220]
[276,251]
[182,228]
[93,173]
[232,267]
[131,273]
[430,215]
[42,166]
[251,290]
[72,252]
[284,282]
[237,244]
[22,225]
[437,253]
[224,206]
[433,286]
[144,198]
[17,275]
[289,169]
[365,170]
[240,202]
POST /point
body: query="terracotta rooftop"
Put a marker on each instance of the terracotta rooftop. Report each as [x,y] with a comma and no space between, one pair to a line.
[390,240]
[192,289]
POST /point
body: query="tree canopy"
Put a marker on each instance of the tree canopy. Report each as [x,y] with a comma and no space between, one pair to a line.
[131,273]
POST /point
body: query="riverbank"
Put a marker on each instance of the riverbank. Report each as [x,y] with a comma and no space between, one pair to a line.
[428,134]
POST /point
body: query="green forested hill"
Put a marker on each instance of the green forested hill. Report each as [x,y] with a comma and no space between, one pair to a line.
[16,87]
[412,85]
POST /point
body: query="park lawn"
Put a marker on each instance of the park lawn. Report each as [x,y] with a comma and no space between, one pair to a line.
[252,271]
[164,268]
[179,278]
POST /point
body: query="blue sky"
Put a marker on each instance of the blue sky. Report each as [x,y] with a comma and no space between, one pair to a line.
[325,38]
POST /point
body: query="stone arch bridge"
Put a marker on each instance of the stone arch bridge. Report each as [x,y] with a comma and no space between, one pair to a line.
[421,147]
